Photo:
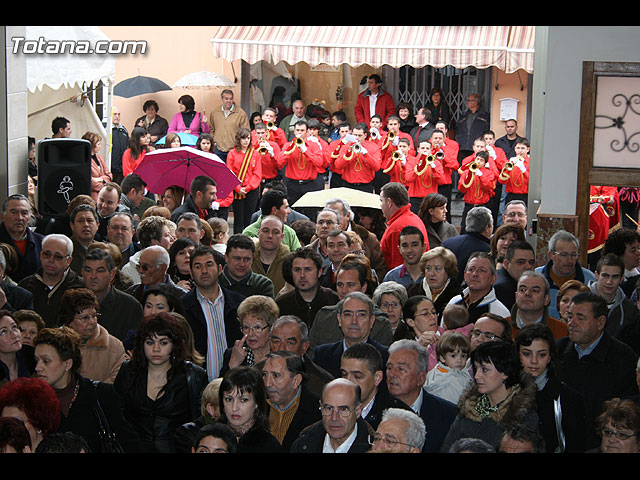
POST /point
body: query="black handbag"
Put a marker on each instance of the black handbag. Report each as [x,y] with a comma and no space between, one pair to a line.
[108,441]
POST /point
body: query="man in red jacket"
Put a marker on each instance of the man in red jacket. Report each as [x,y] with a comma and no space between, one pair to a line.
[395,206]
[374,100]
[358,162]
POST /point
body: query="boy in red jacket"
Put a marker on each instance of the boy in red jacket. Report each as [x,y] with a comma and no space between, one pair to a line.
[423,173]
[477,182]
[515,173]
[394,165]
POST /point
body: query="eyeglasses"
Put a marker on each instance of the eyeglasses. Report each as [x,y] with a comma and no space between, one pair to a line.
[388,439]
[56,256]
[607,432]
[343,410]
[254,328]
[573,255]
[487,335]
[349,315]
[390,304]
[143,267]
[85,318]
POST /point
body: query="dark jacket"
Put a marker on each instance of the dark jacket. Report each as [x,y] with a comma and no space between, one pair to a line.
[505,287]
[83,421]
[120,140]
[46,302]
[463,246]
[423,136]
[18,298]
[329,355]
[438,416]
[608,371]
[307,413]
[156,421]
[189,206]
[196,318]
[120,312]
[28,263]
[311,439]
[252,284]
[381,402]
[292,303]
[26,364]
[258,440]
[465,136]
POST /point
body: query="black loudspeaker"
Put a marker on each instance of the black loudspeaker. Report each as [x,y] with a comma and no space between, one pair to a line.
[64,172]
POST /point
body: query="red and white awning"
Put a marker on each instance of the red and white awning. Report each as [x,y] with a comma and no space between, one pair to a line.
[508,48]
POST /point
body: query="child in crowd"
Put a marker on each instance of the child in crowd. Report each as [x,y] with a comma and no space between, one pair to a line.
[393,165]
[450,378]
[477,183]
[424,173]
[515,173]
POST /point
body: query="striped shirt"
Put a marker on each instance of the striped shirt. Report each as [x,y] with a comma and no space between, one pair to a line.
[216,336]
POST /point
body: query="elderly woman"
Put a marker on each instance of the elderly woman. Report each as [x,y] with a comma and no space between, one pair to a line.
[433,212]
[33,401]
[58,362]
[187,120]
[30,323]
[390,297]
[536,347]
[566,292]
[155,125]
[243,406]
[158,388]
[102,353]
[619,427]
[256,315]
[16,359]
[500,396]
[439,268]
[502,238]
[100,173]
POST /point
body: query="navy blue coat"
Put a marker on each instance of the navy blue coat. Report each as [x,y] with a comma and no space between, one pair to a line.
[329,355]
[28,263]
[463,246]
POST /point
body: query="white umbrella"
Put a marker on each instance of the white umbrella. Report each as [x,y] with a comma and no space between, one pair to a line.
[203,80]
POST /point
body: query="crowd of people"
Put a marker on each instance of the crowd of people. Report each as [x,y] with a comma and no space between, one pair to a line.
[139,322]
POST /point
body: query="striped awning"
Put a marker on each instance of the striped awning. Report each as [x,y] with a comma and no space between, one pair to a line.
[507,47]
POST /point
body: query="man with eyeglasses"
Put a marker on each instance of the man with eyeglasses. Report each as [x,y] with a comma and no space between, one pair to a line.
[563,266]
[401,431]
[489,328]
[152,267]
[355,318]
[515,212]
[15,231]
[53,278]
[411,246]
[406,373]
[342,429]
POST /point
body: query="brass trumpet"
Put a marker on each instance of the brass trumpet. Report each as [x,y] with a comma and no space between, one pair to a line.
[391,135]
[473,166]
[508,166]
[356,148]
[263,150]
[440,155]
[375,135]
[298,142]
[270,125]
[396,155]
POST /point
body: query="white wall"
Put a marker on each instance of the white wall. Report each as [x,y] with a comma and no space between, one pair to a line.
[557,86]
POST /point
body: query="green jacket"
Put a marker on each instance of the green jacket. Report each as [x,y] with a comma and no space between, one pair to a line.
[253,284]
[290,237]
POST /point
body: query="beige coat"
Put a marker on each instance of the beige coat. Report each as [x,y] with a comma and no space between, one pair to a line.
[102,357]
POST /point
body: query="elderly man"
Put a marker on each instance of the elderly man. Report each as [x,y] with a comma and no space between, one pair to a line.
[479,296]
[15,231]
[120,142]
[287,124]
[119,311]
[120,232]
[53,278]
[153,230]
[592,362]
[356,317]
[515,211]
[519,258]
[342,429]
[479,228]
[289,333]
[369,240]
[270,251]
[237,275]
[292,405]
[622,320]
[303,267]
[563,266]
[362,364]
[532,303]
[327,220]
[84,225]
[400,431]
[152,267]
[351,277]
[406,373]
[211,309]
[394,200]
[225,122]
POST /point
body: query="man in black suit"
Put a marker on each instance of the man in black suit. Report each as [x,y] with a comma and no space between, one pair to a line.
[210,309]
[362,364]
[422,132]
[519,258]
[406,374]
[292,406]
[355,319]
[12,297]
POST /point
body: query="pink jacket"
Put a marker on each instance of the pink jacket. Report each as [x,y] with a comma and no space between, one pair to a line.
[196,127]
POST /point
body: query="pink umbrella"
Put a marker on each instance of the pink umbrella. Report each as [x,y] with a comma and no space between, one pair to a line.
[165,167]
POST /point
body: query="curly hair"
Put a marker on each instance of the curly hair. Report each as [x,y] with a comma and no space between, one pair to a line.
[259,306]
[36,398]
[66,341]
[73,302]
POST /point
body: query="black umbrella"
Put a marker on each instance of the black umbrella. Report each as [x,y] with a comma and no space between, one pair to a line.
[132,87]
